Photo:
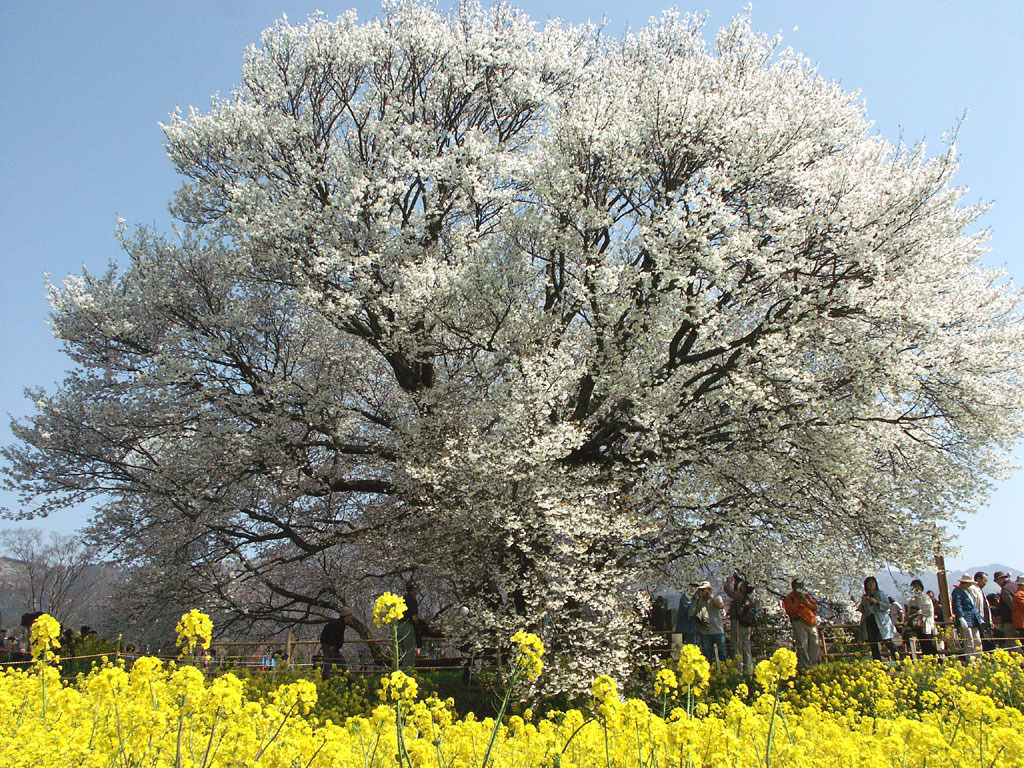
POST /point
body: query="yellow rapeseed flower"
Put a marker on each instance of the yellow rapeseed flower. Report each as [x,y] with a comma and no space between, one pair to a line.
[665,682]
[838,714]
[195,629]
[528,658]
[398,686]
[693,670]
[780,667]
[603,689]
[45,636]
[388,608]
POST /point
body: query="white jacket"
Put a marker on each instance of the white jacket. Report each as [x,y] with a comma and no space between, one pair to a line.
[920,604]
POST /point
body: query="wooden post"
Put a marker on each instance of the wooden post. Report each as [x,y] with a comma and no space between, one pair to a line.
[288,649]
[940,572]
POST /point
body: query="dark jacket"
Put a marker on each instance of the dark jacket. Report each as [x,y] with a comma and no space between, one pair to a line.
[333,633]
[1006,602]
[685,624]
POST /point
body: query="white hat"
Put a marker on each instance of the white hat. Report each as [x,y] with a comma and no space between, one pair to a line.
[1020,579]
[704,585]
[967,579]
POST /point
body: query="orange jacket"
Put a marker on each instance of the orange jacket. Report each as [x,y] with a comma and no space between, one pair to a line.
[1018,608]
[801,607]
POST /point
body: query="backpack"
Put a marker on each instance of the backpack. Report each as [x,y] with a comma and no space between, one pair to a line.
[747,616]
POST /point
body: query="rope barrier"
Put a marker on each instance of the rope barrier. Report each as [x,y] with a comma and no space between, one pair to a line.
[834,642]
[61,659]
[209,665]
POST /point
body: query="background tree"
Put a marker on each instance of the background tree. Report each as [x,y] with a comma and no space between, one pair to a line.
[52,573]
[540,313]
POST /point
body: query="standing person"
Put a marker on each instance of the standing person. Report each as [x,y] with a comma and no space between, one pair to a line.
[802,610]
[332,638]
[706,610]
[921,618]
[992,598]
[936,606]
[660,624]
[685,625]
[1004,615]
[984,608]
[895,614]
[1018,607]
[967,617]
[412,615]
[875,619]
[742,613]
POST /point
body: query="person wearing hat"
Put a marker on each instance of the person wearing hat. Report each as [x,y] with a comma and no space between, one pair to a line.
[966,615]
[706,610]
[802,610]
[984,607]
[1018,608]
[1004,610]
[332,638]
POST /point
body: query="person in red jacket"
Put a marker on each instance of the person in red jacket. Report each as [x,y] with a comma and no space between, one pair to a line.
[1018,606]
[802,610]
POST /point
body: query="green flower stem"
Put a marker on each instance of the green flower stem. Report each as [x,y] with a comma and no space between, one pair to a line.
[403,753]
[42,677]
[771,728]
[501,714]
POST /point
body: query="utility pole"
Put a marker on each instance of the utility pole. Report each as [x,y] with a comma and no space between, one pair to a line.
[940,572]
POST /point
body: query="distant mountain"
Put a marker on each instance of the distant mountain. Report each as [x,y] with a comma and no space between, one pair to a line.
[894,583]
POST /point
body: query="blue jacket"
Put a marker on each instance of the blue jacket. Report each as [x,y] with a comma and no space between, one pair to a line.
[964,607]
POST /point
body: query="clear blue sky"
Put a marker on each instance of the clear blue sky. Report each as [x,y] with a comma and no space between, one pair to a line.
[84,84]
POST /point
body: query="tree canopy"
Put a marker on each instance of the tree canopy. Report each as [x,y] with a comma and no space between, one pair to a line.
[537,313]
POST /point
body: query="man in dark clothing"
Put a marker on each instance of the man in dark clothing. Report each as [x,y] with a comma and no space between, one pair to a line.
[332,638]
[685,625]
[412,614]
[1004,613]
[940,616]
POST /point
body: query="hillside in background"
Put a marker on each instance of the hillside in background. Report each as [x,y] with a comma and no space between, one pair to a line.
[94,589]
[895,584]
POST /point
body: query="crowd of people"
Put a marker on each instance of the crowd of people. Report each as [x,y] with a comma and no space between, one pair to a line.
[721,624]
[983,621]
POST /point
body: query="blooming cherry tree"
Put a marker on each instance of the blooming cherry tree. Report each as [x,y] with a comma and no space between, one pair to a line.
[538,313]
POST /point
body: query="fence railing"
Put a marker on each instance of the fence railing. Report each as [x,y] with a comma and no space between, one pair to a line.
[835,641]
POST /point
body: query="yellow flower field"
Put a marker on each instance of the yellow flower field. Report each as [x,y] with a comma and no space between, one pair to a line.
[156,714]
